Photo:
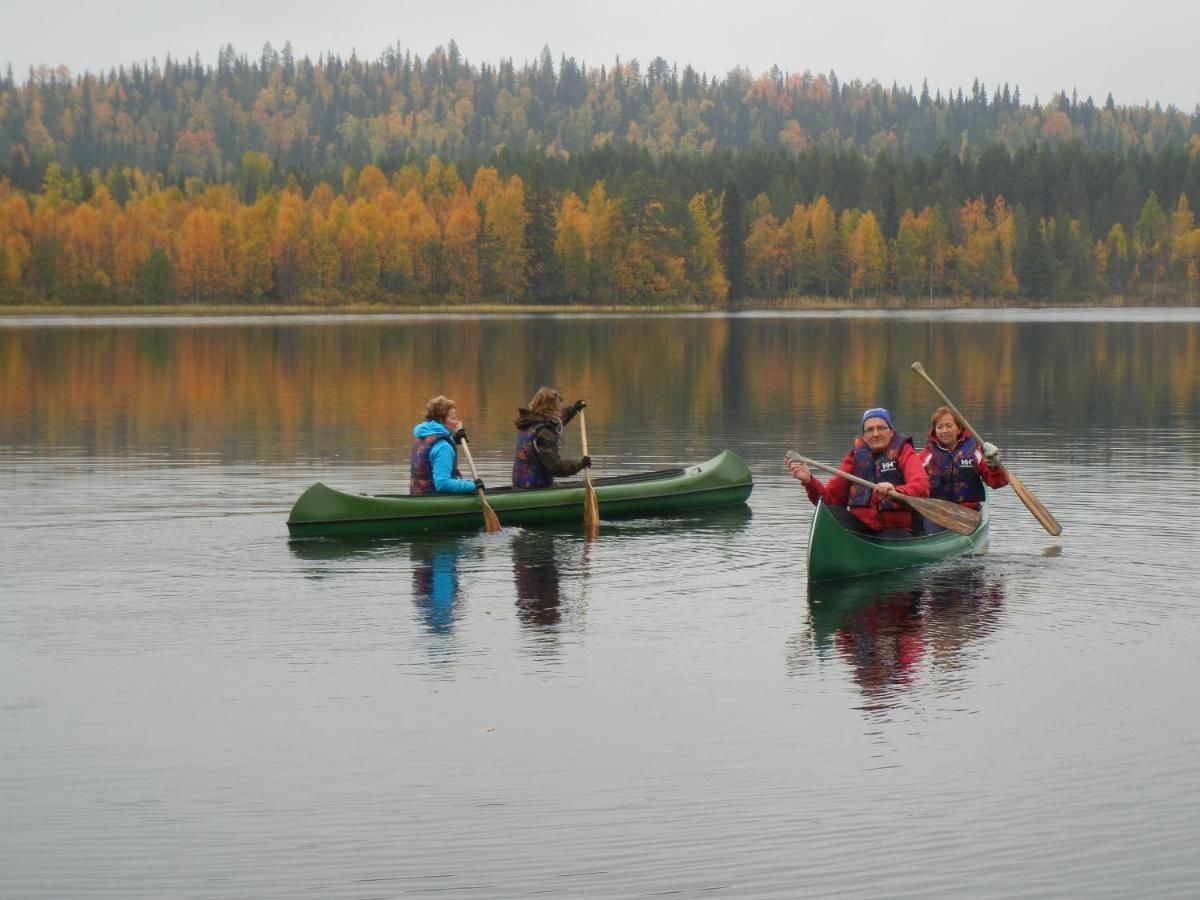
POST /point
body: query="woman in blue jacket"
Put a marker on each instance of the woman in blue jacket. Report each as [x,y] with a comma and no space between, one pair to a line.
[434,453]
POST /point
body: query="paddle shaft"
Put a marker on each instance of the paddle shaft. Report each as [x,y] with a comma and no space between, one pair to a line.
[920,370]
[491,521]
[583,437]
[1032,503]
[591,507]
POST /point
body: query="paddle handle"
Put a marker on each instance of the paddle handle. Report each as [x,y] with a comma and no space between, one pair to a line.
[920,370]
[813,464]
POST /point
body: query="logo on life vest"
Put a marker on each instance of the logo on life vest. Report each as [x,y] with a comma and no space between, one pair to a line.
[888,465]
[966,463]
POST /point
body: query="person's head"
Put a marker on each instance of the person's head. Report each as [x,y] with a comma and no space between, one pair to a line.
[946,425]
[442,410]
[546,402]
[877,428]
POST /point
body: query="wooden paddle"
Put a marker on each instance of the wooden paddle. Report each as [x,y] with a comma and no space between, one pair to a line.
[960,519]
[591,508]
[1032,503]
[491,521]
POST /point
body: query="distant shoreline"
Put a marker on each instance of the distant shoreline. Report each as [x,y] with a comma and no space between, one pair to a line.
[817,304]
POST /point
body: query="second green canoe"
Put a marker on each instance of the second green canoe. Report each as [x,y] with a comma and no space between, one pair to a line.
[839,547]
[324,512]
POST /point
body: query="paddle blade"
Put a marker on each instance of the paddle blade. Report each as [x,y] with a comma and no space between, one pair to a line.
[491,522]
[951,516]
[591,509]
[1034,505]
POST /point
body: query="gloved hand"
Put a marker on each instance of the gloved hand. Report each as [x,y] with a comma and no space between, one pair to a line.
[991,453]
[578,405]
[587,462]
[479,484]
[460,435]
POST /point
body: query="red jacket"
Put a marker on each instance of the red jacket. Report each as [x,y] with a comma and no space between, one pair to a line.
[837,492]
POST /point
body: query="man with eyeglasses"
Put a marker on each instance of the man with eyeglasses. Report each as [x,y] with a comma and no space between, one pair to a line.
[882,455]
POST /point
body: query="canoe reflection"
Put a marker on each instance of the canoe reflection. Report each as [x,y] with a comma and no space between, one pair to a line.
[893,631]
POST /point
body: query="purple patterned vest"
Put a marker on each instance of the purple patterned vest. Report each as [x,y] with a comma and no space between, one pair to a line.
[527,468]
[420,479]
[953,474]
[877,467]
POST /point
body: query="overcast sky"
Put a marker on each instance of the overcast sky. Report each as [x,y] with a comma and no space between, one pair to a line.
[1143,51]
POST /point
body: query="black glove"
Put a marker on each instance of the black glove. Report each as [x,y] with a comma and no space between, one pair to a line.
[460,435]
[578,405]
[479,484]
[586,462]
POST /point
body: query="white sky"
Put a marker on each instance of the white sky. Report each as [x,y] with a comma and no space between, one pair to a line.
[1143,51]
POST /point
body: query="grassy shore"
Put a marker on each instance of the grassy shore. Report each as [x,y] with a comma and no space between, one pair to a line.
[831,304]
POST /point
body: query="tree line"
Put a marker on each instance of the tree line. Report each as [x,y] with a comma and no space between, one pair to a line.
[618,227]
[182,118]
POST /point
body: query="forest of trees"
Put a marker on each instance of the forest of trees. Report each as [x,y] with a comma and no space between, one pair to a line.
[407,180]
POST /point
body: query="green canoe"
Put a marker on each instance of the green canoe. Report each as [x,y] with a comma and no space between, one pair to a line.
[323,512]
[839,546]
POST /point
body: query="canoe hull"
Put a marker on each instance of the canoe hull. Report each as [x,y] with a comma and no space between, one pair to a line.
[836,552]
[322,511]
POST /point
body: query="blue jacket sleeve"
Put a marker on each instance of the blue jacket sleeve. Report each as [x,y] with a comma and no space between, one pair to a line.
[442,458]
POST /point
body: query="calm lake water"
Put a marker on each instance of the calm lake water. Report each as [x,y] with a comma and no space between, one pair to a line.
[192,706]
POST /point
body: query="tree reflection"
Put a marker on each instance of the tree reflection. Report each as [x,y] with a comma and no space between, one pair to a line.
[297,392]
[899,630]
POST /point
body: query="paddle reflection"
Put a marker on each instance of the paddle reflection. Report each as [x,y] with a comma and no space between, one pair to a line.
[907,629]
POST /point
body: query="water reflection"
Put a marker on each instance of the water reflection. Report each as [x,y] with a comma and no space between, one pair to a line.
[301,391]
[901,630]
[537,579]
[434,563]
[435,587]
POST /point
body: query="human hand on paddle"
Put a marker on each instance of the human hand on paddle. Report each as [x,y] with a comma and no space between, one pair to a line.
[799,470]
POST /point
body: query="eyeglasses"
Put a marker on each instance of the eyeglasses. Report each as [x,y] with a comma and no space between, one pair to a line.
[875,429]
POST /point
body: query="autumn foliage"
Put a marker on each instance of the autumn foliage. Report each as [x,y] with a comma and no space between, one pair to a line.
[426,236]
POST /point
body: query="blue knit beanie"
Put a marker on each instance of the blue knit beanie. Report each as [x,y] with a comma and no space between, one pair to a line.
[878,412]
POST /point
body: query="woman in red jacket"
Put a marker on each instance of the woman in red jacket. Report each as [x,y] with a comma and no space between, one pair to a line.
[957,464]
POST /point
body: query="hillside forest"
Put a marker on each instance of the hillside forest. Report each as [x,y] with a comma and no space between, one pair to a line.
[413,181]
